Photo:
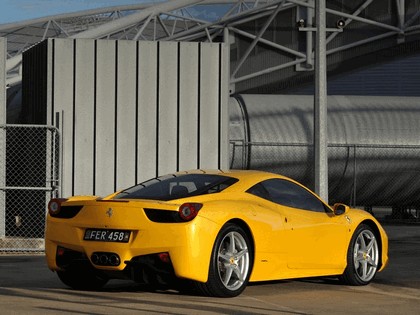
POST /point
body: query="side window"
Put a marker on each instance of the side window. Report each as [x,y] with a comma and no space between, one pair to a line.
[260,191]
[288,194]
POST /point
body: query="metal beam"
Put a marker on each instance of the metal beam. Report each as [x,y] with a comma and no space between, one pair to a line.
[268,43]
[139,33]
[268,70]
[255,40]
[238,13]
[349,20]
[226,21]
[129,20]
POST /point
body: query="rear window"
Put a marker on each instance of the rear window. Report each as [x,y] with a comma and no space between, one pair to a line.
[171,187]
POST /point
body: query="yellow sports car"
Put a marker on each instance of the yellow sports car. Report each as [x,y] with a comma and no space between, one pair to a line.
[215,230]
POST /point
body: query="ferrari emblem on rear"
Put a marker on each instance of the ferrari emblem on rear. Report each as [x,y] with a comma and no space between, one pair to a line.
[109,212]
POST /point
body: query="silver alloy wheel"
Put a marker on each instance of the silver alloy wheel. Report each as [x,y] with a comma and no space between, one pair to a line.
[366,255]
[233,260]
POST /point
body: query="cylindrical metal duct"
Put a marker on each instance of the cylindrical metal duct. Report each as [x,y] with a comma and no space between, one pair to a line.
[374,144]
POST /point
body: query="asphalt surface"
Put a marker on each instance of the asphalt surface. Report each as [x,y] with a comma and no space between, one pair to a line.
[28,287]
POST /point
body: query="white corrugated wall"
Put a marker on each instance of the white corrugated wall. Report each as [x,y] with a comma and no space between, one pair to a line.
[132,110]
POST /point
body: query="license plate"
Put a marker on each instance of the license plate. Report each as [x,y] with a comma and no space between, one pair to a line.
[102,235]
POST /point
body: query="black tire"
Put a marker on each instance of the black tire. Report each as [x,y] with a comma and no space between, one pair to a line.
[82,278]
[362,257]
[231,263]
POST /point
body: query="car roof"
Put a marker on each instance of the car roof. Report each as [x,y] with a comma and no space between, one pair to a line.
[251,176]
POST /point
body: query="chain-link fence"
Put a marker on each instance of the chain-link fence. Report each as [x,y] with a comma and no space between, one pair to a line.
[384,178]
[29,177]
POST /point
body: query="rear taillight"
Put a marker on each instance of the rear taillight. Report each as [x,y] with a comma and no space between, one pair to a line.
[54,206]
[189,211]
[164,257]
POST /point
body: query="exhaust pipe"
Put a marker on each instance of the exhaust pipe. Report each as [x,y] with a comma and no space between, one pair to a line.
[95,258]
[105,259]
[114,260]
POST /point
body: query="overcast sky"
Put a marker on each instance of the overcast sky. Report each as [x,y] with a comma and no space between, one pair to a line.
[19,10]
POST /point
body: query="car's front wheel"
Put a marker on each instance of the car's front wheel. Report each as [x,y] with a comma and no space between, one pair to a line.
[362,257]
[231,263]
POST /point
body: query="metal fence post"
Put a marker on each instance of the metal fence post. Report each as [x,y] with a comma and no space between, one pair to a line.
[2,181]
[3,45]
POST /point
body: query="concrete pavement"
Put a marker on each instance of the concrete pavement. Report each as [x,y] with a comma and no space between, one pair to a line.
[28,287]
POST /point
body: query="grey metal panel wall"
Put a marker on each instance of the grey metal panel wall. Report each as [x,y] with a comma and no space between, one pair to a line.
[209,114]
[188,94]
[83,115]
[125,115]
[167,108]
[224,147]
[105,100]
[147,110]
[130,110]
[62,101]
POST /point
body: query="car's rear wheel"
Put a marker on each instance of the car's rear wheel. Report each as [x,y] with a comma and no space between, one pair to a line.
[82,278]
[362,257]
[231,263]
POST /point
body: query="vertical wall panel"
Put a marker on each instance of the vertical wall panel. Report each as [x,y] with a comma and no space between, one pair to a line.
[188,109]
[167,124]
[83,116]
[105,117]
[224,110]
[147,115]
[51,111]
[126,114]
[63,103]
[209,107]
[135,110]
[34,91]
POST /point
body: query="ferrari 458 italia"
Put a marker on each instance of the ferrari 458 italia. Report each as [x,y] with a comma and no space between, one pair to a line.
[213,231]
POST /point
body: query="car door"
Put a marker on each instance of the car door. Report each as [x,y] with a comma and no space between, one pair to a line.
[316,238]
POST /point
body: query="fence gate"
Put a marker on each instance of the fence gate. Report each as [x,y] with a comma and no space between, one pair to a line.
[29,177]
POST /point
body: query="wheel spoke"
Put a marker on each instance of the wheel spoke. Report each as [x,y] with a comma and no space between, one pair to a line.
[357,264]
[238,274]
[364,269]
[372,263]
[371,244]
[232,242]
[242,253]
[224,257]
[228,275]
[362,242]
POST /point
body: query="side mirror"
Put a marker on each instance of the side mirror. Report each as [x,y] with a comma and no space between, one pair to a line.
[340,208]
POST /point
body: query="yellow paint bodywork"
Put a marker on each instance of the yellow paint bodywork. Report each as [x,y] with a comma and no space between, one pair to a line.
[287,242]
